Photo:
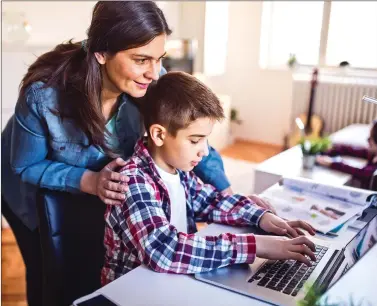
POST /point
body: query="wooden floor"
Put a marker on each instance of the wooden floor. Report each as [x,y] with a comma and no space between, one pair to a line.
[255,152]
[13,270]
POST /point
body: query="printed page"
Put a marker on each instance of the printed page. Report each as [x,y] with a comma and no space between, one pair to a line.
[322,213]
[343,193]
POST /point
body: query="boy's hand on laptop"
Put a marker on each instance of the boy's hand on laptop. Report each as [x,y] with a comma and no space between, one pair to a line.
[274,247]
[276,225]
[262,203]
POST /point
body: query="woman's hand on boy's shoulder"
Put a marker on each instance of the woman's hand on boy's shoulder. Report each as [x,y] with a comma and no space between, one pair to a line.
[108,184]
[273,224]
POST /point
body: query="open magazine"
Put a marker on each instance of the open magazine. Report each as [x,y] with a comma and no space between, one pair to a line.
[325,207]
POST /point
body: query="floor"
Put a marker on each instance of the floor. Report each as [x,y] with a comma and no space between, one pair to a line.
[13,271]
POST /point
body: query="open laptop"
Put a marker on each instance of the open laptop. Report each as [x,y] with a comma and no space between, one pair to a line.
[281,282]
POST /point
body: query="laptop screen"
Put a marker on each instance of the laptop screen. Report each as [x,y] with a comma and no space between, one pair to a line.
[359,245]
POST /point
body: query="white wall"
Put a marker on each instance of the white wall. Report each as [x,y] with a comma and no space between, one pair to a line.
[57,21]
[263,98]
[52,23]
[192,24]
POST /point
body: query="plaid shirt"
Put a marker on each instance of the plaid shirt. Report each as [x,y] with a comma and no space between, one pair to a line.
[138,231]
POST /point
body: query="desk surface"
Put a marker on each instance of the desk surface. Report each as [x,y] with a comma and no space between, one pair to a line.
[289,163]
[142,286]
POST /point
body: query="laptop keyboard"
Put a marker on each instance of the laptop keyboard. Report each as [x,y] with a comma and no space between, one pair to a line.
[286,276]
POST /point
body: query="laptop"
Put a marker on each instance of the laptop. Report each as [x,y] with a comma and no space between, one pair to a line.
[281,282]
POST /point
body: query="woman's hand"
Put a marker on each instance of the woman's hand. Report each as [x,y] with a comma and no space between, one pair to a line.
[325,161]
[276,225]
[107,184]
[262,203]
[274,247]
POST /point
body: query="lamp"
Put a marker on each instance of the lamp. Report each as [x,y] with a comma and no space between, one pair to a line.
[369,99]
[16,29]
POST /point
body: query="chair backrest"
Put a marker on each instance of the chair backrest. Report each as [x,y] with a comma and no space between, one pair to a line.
[72,231]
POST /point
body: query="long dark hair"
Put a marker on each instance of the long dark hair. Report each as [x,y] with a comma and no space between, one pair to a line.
[72,68]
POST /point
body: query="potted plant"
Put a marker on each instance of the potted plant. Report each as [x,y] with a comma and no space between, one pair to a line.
[311,147]
[234,121]
[314,297]
[292,60]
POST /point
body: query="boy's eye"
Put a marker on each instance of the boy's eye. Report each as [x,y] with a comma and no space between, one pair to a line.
[194,142]
[141,61]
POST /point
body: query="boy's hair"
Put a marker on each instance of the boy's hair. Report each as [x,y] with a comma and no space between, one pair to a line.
[176,100]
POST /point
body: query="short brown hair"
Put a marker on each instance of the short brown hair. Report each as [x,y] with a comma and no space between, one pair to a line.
[176,100]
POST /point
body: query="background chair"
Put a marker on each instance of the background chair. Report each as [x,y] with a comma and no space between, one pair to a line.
[72,231]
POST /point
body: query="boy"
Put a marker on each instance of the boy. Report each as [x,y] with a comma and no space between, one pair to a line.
[155,225]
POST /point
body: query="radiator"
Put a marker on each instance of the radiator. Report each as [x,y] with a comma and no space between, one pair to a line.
[337,101]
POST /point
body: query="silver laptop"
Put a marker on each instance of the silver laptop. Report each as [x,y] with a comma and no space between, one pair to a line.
[281,282]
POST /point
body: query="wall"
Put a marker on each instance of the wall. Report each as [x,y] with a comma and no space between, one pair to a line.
[57,21]
[192,27]
[262,97]
[52,23]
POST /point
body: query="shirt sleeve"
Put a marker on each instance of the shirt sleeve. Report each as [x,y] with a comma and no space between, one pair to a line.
[162,248]
[363,174]
[211,170]
[211,205]
[360,152]
[29,149]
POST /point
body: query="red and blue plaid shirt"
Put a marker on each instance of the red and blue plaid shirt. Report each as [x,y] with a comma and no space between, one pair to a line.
[138,231]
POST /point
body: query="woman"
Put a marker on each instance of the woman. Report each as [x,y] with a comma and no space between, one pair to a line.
[364,174]
[76,120]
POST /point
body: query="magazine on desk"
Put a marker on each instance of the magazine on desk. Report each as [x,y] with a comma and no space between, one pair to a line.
[325,207]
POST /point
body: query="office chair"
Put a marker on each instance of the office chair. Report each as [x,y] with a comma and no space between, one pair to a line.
[72,231]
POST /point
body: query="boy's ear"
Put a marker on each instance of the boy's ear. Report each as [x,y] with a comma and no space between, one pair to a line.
[158,134]
[101,57]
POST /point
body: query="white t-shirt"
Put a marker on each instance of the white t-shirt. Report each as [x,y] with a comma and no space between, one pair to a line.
[178,214]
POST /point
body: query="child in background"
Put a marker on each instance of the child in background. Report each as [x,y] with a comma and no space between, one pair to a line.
[155,225]
[364,175]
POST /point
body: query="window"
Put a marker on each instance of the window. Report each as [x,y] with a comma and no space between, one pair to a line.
[215,37]
[353,34]
[322,33]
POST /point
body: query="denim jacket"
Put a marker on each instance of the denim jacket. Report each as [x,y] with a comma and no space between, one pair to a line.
[41,150]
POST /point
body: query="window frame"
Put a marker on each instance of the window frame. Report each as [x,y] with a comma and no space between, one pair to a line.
[263,61]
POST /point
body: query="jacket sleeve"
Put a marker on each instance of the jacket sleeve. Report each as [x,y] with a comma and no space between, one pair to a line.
[29,148]
[211,170]
[212,206]
[162,248]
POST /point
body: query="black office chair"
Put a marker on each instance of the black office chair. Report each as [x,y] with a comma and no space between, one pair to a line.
[72,231]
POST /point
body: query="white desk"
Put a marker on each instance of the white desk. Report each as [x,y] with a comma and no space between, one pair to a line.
[142,286]
[289,163]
